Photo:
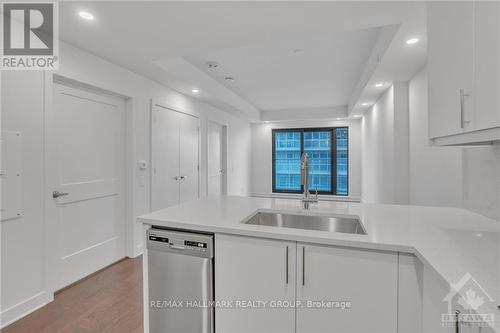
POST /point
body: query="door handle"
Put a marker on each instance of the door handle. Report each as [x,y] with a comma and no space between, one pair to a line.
[183,177]
[57,194]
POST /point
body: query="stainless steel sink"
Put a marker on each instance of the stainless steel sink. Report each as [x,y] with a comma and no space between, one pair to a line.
[350,225]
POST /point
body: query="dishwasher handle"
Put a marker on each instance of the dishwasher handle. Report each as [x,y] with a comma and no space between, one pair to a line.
[177,247]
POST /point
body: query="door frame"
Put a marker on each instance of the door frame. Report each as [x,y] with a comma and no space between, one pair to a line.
[224,150]
[166,106]
[50,218]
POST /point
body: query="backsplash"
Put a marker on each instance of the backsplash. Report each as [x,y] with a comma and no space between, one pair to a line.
[481,177]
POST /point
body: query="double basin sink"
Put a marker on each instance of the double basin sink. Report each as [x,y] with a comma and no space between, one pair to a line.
[344,224]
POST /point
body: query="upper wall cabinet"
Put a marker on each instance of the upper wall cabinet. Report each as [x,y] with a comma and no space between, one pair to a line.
[464,72]
[487,64]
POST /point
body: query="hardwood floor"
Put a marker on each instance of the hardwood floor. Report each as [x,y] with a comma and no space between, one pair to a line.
[109,301]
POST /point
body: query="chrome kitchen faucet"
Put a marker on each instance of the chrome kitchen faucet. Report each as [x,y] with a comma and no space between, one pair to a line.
[304,180]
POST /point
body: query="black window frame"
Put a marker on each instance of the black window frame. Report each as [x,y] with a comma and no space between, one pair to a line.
[333,174]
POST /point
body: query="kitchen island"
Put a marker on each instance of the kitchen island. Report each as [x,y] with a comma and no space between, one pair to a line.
[443,247]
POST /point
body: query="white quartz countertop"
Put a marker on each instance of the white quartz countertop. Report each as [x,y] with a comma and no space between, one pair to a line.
[450,241]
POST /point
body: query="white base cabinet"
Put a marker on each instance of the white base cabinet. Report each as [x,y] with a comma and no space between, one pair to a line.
[365,280]
[284,286]
[249,271]
[253,269]
[421,301]
[433,307]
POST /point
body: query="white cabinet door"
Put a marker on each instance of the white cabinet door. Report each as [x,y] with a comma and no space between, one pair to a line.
[433,304]
[188,160]
[487,64]
[450,33]
[366,279]
[165,134]
[409,294]
[435,307]
[254,269]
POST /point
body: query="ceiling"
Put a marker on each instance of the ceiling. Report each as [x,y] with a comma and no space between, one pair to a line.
[312,73]
[170,42]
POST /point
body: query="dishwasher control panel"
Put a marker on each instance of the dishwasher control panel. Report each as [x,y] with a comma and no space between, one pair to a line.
[158,239]
[199,245]
[196,244]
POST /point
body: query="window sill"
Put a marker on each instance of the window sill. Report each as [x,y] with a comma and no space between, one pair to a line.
[297,196]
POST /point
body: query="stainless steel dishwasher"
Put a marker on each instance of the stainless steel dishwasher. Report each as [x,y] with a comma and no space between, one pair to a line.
[180,276]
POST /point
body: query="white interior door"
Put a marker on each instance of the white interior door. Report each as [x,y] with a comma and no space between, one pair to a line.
[174,157]
[165,139]
[87,168]
[215,163]
[189,157]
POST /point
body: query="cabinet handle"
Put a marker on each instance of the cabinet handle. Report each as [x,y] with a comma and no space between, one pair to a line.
[286,265]
[303,265]
[462,107]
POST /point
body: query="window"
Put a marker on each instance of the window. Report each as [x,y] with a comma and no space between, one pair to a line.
[327,149]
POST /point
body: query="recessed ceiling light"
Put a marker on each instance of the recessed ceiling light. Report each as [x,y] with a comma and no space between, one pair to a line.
[86,15]
[212,64]
[195,91]
[412,41]
[378,85]
[337,118]
[357,116]
[267,121]
[365,104]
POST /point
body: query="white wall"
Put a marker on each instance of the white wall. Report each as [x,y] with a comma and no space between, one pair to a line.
[262,153]
[481,180]
[22,243]
[435,172]
[384,148]
[23,282]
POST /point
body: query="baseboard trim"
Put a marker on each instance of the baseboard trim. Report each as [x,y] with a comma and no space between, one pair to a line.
[139,250]
[24,308]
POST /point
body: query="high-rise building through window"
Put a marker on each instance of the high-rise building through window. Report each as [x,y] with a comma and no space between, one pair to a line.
[327,149]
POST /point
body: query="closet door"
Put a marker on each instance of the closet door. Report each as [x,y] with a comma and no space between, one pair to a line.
[189,156]
[165,140]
